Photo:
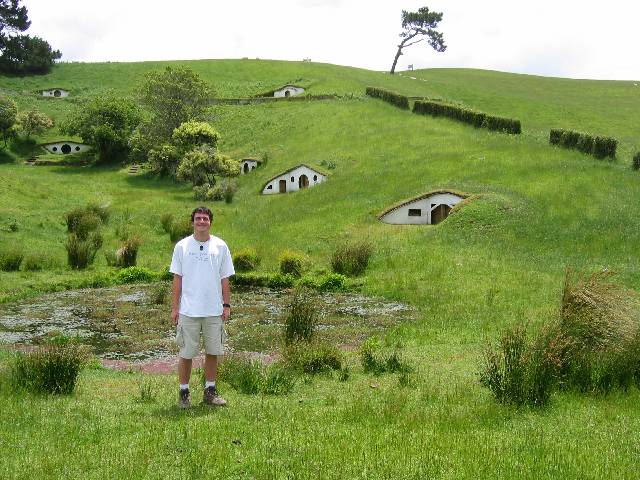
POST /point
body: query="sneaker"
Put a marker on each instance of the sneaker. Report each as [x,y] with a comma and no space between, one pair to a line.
[184,399]
[211,397]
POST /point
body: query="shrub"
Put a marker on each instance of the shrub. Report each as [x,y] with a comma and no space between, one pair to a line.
[134,275]
[10,260]
[246,260]
[279,280]
[53,368]
[302,316]
[166,220]
[127,254]
[635,164]
[332,282]
[251,279]
[314,357]
[180,229]
[604,147]
[224,190]
[466,115]
[596,330]
[517,371]
[600,147]
[33,263]
[585,144]
[252,377]
[351,258]
[160,293]
[555,136]
[391,97]
[82,252]
[378,360]
[292,263]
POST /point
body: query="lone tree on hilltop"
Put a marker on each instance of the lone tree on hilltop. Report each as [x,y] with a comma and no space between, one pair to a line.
[22,54]
[421,25]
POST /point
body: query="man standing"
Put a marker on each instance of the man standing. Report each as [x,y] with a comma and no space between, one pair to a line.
[201,295]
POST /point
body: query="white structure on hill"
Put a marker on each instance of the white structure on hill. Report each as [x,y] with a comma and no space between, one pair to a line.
[55,92]
[65,148]
[288,91]
[249,164]
[427,209]
[293,180]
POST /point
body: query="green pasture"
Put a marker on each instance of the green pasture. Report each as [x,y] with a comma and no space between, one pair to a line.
[534,211]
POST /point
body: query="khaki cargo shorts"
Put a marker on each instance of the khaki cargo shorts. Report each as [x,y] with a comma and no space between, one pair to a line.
[188,335]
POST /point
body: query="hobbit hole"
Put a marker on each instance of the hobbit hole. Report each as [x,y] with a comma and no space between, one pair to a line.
[427,209]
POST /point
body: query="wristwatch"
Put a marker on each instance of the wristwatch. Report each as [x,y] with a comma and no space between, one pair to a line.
[226,305]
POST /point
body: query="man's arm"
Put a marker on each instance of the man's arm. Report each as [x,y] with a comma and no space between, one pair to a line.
[176,291]
[226,298]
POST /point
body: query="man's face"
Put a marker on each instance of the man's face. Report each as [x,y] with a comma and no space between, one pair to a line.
[201,223]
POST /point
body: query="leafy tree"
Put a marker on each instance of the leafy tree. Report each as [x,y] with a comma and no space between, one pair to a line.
[202,165]
[106,123]
[8,112]
[22,54]
[174,96]
[13,19]
[25,55]
[33,122]
[421,25]
[194,134]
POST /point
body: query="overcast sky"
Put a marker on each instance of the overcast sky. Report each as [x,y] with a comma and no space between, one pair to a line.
[563,38]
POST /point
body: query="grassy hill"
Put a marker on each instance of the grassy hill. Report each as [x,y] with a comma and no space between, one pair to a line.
[536,210]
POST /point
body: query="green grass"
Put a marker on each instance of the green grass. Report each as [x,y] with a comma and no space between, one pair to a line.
[535,210]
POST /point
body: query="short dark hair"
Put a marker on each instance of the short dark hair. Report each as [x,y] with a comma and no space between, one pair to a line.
[201,210]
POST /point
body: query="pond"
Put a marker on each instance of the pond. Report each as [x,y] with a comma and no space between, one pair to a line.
[132,322]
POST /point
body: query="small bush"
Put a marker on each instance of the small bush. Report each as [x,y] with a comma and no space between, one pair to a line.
[292,263]
[82,223]
[134,275]
[516,371]
[180,229]
[555,136]
[351,258]
[166,220]
[278,281]
[635,164]
[10,260]
[252,377]
[302,316]
[314,357]
[82,252]
[332,282]
[101,211]
[161,293]
[33,263]
[246,260]
[53,368]
[251,279]
[127,254]
[378,360]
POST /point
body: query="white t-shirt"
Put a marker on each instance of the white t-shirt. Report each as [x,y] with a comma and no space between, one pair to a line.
[201,270]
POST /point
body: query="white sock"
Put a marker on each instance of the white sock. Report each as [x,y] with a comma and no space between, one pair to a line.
[208,384]
[184,386]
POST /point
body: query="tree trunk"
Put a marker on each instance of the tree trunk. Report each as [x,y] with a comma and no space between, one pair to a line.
[395,60]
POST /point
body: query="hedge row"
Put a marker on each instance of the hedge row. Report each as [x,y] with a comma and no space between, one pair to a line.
[466,115]
[394,98]
[599,147]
